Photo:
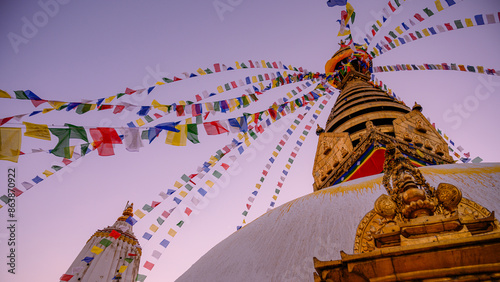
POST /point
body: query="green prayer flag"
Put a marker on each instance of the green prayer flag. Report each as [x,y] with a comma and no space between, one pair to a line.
[208,71]
[246,103]
[160,220]
[21,95]
[105,242]
[392,45]
[144,135]
[397,3]
[305,132]
[290,160]
[321,106]
[167,80]
[192,133]
[428,12]
[64,134]
[185,178]
[243,65]
[262,179]
[261,78]
[353,16]
[296,121]
[252,134]
[84,148]
[392,34]
[278,148]
[180,223]
[217,174]
[375,28]
[129,260]
[418,34]
[140,277]
[244,213]
[62,107]
[83,108]
[217,106]
[227,86]
[269,65]
[277,191]
[189,187]
[119,95]
[147,208]
[148,118]
[56,167]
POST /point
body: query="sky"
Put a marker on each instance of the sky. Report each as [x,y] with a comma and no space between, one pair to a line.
[74,50]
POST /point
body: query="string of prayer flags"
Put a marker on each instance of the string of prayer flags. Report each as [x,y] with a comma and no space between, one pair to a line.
[388,44]
[443,66]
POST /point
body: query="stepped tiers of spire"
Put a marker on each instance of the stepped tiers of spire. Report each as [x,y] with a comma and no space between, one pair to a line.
[363,121]
[111,254]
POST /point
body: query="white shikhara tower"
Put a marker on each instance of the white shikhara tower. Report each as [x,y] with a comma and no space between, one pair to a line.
[111,254]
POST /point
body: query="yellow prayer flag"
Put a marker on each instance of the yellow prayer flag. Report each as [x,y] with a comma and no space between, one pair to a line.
[109,99]
[209,183]
[396,42]
[254,79]
[201,71]
[350,11]
[398,29]
[4,94]
[317,112]
[220,89]
[96,250]
[426,32]
[10,143]
[379,24]
[288,166]
[258,186]
[457,155]
[93,106]
[275,197]
[480,69]
[445,137]
[159,83]
[345,33]
[40,131]
[419,153]
[263,63]
[285,74]
[177,138]
[289,95]
[247,142]
[439,7]
[172,232]
[182,103]
[261,86]
[140,122]
[468,22]
[293,126]
[290,67]
[275,153]
[244,221]
[55,104]
[302,137]
[240,136]
[238,65]
[312,104]
[139,213]
[159,106]
[183,194]
[421,67]
[122,269]
[177,184]
[189,121]
[46,110]
[153,228]
[48,173]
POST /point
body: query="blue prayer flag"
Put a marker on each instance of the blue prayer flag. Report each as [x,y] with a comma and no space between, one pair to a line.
[150,89]
[37,179]
[147,236]
[87,259]
[202,192]
[130,220]
[164,243]
[177,200]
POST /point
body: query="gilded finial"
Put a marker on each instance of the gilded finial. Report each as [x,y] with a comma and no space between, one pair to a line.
[127,212]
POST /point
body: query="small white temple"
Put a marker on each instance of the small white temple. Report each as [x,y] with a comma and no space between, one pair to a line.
[112,253]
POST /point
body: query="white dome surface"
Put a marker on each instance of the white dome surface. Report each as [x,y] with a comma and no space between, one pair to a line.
[280,245]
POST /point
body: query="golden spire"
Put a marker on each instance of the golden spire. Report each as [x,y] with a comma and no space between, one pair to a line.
[128,211]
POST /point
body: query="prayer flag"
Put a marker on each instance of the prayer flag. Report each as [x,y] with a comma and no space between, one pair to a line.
[10,143]
[40,131]
[164,243]
[115,234]
[96,250]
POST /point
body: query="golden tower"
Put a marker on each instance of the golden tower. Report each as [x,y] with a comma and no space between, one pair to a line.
[363,121]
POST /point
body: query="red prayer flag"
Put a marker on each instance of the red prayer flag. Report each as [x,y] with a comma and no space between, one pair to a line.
[233,84]
[129,91]
[273,113]
[282,142]
[157,115]
[176,78]
[148,265]
[66,277]
[37,103]
[180,110]
[66,161]
[266,76]
[217,67]
[188,211]
[251,64]
[17,192]
[418,17]
[248,206]
[105,107]
[300,69]
[275,65]
[293,154]
[104,138]
[413,37]
[118,109]
[373,32]
[225,166]
[165,214]
[115,234]
[392,7]
[264,172]
[308,127]
[280,184]
[198,98]
[388,39]
[5,120]
[154,204]
[448,26]
[214,128]
[131,255]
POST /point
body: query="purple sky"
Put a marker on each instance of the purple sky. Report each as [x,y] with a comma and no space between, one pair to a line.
[93,49]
